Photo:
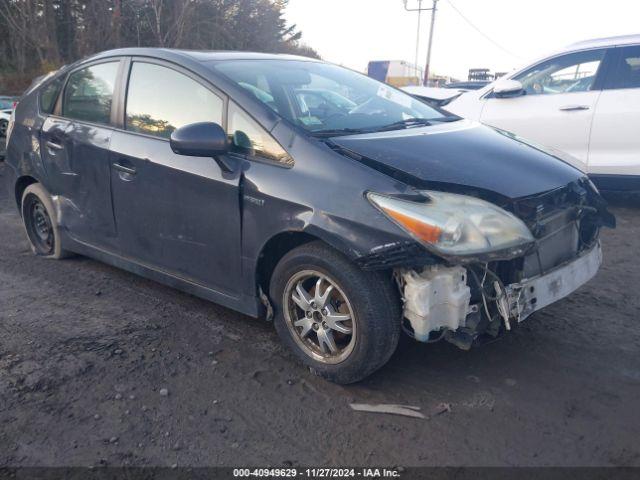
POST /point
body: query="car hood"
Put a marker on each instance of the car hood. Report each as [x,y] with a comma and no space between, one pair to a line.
[463,153]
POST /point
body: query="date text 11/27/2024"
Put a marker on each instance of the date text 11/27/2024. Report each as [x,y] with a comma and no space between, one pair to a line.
[318,472]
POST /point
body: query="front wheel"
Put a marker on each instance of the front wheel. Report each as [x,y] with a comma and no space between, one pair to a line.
[342,322]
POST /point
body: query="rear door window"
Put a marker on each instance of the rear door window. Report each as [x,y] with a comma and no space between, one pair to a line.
[160,100]
[626,73]
[89,93]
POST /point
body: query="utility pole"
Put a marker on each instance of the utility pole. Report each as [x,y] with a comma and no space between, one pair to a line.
[433,19]
[418,35]
[433,22]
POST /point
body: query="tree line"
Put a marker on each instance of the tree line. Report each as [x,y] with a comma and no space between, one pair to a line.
[37,36]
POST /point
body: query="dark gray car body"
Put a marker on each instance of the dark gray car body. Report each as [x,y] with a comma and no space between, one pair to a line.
[187,223]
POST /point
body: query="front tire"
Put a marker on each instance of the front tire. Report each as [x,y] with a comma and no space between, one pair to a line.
[342,322]
[40,223]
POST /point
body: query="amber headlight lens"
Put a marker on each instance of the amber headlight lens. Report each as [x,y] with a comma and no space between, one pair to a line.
[454,224]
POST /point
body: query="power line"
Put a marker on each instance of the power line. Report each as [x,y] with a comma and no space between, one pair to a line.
[482,33]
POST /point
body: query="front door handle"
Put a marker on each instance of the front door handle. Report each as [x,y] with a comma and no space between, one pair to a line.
[574,108]
[53,145]
[123,169]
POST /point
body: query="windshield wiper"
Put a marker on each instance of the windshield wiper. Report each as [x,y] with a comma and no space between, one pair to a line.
[417,122]
[336,132]
[407,123]
[447,118]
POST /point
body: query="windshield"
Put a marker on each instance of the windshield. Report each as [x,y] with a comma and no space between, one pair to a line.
[324,98]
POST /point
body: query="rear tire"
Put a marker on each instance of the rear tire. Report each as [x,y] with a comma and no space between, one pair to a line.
[40,223]
[342,322]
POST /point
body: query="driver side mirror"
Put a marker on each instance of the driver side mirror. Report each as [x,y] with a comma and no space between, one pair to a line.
[508,89]
[203,139]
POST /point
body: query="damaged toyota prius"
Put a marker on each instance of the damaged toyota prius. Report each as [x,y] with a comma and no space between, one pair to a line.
[301,192]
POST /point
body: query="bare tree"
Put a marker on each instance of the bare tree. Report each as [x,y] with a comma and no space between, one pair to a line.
[44,34]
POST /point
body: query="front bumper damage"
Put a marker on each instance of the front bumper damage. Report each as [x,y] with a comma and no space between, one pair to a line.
[530,295]
[438,300]
[469,300]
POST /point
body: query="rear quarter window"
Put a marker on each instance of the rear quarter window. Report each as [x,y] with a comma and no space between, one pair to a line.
[49,95]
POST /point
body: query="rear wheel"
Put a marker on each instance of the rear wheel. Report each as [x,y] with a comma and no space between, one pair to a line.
[38,216]
[342,322]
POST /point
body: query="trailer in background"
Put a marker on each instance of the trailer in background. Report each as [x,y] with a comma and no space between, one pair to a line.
[395,72]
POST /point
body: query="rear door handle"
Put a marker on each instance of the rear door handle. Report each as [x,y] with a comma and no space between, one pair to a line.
[53,145]
[574,108]
[123,169]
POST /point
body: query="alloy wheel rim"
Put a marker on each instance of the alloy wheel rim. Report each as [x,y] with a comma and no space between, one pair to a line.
[320,317]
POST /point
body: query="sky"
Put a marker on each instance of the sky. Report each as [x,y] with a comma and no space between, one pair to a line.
[354,32]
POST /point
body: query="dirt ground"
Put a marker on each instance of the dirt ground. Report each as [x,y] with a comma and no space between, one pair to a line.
[87,351]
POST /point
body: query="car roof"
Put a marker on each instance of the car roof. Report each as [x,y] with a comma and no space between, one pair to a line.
[201,56]
[604,42]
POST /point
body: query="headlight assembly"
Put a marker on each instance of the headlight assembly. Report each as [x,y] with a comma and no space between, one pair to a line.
[452,224]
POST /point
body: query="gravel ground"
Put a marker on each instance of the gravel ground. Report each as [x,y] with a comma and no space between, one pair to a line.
[100,367]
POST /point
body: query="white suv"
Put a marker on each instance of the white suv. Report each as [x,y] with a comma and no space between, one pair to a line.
[5,116]
[583,100]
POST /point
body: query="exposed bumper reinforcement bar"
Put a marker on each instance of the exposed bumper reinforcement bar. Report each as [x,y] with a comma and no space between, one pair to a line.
[532,294]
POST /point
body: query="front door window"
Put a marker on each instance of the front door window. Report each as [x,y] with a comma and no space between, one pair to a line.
[575,72]
[160,100]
